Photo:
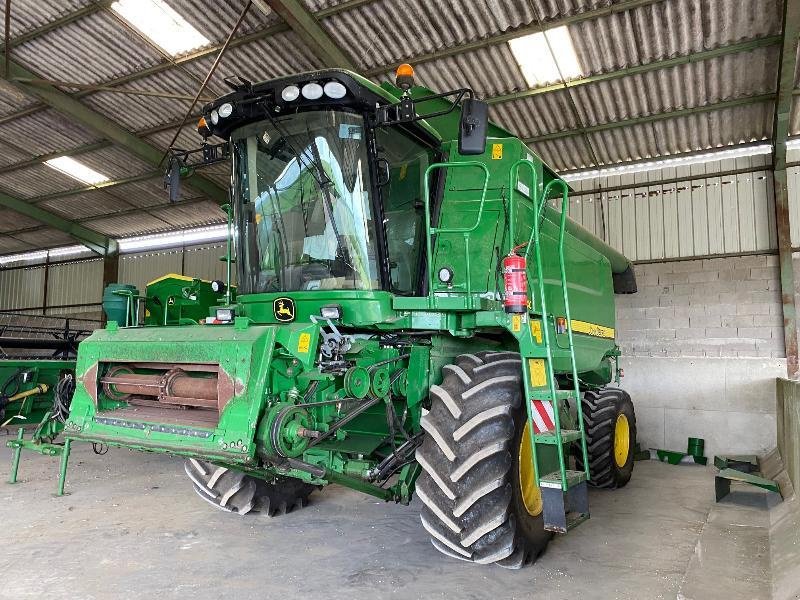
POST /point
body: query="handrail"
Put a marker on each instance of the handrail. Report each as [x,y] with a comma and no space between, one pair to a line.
[512,189]
[568,317]
[466,231]
[513,180]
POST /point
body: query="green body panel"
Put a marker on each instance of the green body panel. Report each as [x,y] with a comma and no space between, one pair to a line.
[295,411]
[243,355]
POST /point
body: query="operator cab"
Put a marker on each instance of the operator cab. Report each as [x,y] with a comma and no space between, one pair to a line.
[327,180]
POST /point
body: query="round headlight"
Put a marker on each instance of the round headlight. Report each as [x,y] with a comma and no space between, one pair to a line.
[445,275]
[290,93]
[312,91]
[225,110]
[214,117]
[335,90]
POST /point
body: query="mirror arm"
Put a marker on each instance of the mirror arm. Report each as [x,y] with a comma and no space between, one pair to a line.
[405,110]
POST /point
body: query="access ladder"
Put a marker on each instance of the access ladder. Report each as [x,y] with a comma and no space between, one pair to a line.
[563,492]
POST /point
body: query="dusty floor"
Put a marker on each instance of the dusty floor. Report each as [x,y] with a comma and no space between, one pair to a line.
[131,527]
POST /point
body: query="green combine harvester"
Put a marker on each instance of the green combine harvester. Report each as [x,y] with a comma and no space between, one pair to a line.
[414,314]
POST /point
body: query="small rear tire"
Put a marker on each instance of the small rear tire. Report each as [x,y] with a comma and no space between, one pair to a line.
[610,424]
[235,492]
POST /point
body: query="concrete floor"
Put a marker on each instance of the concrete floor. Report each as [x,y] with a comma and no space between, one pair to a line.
[131,527]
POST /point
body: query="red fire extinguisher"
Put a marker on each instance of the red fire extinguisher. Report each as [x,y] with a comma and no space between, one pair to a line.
[515,279]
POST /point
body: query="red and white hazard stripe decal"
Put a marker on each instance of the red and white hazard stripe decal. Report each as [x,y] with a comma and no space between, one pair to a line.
[543,418]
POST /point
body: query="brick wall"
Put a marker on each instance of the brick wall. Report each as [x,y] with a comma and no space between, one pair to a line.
[719,307]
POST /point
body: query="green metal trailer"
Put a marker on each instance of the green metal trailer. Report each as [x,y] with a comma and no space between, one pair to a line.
[383,335]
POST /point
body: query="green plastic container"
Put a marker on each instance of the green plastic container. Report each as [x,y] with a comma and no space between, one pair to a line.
[696,447]
[115,305]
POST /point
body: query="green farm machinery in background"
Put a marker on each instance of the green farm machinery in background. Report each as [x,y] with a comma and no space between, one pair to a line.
[414,315]
[37,380]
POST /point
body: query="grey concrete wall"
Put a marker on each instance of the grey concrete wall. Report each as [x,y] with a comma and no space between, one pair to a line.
[729,307]
[702,344]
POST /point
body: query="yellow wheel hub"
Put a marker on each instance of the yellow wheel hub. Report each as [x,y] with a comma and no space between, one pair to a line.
[622,440]
[531,494]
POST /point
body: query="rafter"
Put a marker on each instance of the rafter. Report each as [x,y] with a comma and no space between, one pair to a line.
[308,29]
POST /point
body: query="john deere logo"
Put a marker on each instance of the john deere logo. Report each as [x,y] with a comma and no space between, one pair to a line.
[283,309]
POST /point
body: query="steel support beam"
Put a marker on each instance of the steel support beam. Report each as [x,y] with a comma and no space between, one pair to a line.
[69,106]
[780,133]
[308,29]
[110,269]
[655,117]
[93,240]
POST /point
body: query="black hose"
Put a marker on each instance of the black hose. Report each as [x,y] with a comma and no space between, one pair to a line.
[62,397]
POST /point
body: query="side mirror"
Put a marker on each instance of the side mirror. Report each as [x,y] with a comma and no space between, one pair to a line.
[384,172]
[473,127]
[172,180]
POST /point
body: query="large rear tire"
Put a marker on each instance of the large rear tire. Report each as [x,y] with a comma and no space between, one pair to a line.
[236,492]
[479,502]
[610,424]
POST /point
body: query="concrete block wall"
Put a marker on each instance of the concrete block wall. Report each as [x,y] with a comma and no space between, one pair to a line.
[718,307]
[702,344]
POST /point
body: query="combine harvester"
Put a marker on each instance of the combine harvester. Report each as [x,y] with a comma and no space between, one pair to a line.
[414,313]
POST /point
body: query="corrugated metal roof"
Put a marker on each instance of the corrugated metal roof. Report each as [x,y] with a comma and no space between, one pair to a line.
[12,99]
[86,205]
[46,237]
[193,215]
[278,55]
[667,29]
[114,163]
[37,180]
[702,131]
[10,220]
[26,16]
[683,86]
[97,48]
[93,49]
[45,132]
[11,153]
[146,193]
[215,19]
[9,245]
[144,112]
[119,226]
[383,32]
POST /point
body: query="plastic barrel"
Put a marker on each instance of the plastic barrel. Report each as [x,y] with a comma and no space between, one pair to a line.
[115,305]
[696,446]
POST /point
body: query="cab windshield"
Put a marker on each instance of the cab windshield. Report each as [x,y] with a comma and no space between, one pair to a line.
[305,216]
